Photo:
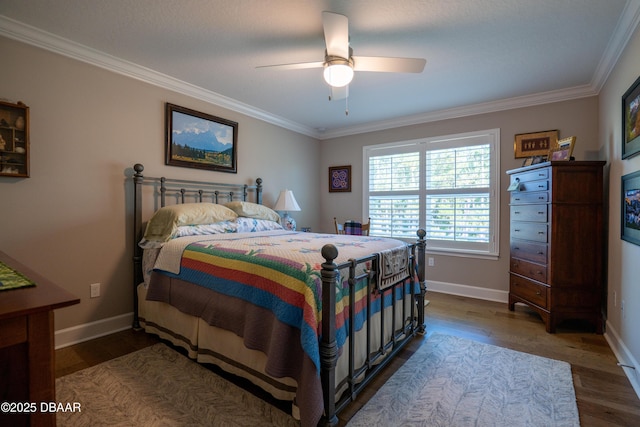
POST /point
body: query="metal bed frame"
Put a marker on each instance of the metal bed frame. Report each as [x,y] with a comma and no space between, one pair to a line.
[182,191]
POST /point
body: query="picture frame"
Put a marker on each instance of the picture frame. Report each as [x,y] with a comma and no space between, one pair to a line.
[630,221]
[631,121]
[558,153]
[534,144]
[199,140]
[567,143]
[538,159]
[340,179]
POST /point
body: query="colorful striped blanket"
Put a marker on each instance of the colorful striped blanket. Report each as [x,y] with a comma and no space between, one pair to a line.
[280,271]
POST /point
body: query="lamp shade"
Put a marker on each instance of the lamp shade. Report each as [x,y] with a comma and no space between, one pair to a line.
[286,202]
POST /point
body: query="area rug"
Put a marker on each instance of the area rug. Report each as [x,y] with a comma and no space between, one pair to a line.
[451,381]
[158,386]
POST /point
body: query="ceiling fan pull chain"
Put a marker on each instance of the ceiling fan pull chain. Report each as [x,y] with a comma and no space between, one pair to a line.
[346,106]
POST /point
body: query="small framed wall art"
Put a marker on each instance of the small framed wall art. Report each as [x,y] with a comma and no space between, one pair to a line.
[631,121]
[630,224]
[340,179]
[534,144]
[199,140]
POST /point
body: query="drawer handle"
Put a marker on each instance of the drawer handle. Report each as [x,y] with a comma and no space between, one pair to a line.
[517,199]
[540,253]
[516,230]
[540,197]
[540,213]
[540,186]
[540,232]
[516,213]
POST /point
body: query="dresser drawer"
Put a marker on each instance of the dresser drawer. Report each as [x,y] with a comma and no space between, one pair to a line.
[529,290]
[529,251]
[535,175]
[537,213]
[529,269]
[520,197]
[534,186]
[536,232]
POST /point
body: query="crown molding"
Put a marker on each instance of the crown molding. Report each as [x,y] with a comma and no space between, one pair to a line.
[36,37]
[629,20]
[466,111]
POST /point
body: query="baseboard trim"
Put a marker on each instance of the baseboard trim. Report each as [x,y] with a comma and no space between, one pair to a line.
[624,357]
[467,291]
[92,330]
[111,325]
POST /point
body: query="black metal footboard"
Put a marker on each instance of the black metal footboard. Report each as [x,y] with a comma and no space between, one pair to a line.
[377,358]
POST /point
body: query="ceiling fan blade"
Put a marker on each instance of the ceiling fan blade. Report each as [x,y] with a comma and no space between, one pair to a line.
[295,66]
[388,65]
[336,34]
[339,93]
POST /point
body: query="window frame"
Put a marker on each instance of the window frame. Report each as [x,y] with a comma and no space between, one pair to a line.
[489,249]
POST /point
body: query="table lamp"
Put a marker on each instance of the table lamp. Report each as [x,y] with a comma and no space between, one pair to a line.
[287,202]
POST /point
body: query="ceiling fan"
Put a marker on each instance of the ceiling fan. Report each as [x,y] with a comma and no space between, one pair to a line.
[339,63]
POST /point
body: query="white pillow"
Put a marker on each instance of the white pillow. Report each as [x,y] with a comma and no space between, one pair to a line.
[249,225]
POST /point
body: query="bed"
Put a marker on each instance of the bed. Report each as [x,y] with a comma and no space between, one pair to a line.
[308,317]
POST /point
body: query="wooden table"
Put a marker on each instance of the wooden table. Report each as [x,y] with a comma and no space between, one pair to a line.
[27,367]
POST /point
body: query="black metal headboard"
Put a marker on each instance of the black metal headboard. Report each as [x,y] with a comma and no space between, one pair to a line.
[175,191]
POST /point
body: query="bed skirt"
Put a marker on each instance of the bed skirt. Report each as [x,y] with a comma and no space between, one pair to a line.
[209,344]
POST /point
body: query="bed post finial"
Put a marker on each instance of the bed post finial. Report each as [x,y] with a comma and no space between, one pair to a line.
[421,245]
[259,191]
[137,234]
[328,343]
[138,168]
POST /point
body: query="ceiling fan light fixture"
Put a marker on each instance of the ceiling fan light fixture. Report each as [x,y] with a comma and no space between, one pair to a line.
[338,72]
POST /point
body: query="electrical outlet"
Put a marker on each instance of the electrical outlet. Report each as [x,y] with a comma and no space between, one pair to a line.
[95,290]
[431,262]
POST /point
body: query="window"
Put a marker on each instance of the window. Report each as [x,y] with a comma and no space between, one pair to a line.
[446,185]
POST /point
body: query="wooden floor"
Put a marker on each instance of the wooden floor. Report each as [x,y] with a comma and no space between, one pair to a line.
[605,396]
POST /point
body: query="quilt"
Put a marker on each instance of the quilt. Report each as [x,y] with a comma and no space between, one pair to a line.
[280,271]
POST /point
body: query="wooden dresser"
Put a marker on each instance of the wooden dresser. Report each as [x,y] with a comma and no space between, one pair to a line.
[556,240]
[27,367]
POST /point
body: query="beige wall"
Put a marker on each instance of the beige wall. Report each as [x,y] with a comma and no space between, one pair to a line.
[577,117]
[623,278]
[68,221]
[89,126]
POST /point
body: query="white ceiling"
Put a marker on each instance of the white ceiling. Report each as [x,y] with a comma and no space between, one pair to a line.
[482,55]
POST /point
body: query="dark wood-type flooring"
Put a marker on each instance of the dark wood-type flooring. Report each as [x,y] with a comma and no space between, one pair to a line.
[604,394]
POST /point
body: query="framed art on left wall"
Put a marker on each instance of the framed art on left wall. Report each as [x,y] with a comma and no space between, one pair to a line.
[631,120]
[199,140]
[630,221]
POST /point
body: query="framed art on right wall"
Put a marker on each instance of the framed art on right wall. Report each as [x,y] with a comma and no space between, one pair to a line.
[631,120]
[630,224]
